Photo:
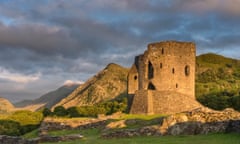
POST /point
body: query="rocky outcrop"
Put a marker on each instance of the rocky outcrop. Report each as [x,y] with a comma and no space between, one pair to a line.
[201,121]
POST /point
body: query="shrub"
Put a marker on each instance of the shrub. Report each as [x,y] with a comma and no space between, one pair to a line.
[60,111]
[46,112]
[109,107]
[73,112]
[28,120]
[221,100]
[235,102]
[90,111]
[25,117]
[9,127]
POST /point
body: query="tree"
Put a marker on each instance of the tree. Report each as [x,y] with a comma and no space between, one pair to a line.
[46,112]
[9,127]
[73,112]
[60,111]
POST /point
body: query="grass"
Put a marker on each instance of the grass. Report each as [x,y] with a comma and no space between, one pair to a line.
[32,134]
[62,119]
[140,120]
[140,116]
[2,116]
[92,136]
[64,132]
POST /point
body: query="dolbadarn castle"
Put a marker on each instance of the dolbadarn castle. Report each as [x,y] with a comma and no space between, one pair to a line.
[162,79]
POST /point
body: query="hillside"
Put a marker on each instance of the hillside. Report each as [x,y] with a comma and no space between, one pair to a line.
[108,84]
[47,100]
[218,81]
[216,73]
[5,105]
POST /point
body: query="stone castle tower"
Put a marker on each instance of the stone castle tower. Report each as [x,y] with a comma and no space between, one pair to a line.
[162,80]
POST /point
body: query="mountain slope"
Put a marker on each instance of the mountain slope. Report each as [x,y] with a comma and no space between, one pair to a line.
[5,105]
[47,100]
[218,82]
[108,84]
[215,73]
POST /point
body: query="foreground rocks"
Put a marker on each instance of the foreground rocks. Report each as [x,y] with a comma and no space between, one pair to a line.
[51,124]
[144,131]
[18,140]
[201,121]
[198,121]
[48,138]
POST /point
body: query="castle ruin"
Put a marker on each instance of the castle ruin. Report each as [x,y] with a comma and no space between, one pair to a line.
[162,80]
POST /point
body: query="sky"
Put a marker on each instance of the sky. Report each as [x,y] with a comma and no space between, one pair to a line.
[47,43]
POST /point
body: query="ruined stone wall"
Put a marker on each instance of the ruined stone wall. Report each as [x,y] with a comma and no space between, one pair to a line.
[170,102]
[142,103]
[162,102]
[132,80]
[141,72]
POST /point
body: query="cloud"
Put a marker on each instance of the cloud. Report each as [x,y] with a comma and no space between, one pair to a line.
[230,7]
[71,82]
[19,78]
[40,38]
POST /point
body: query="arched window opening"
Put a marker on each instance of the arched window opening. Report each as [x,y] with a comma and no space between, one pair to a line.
[160,65]
[162,51]
[150,70]
[176,85]
[135,77]
[151,86]
[187,70]
[173,70]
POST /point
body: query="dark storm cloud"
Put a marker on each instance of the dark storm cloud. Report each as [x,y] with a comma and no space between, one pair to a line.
[40,38]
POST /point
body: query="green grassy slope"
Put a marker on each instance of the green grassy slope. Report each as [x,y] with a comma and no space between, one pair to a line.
[217,79]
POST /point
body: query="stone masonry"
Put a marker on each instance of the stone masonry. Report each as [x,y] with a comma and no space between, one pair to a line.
[162,80]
